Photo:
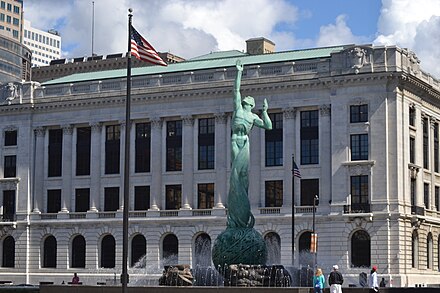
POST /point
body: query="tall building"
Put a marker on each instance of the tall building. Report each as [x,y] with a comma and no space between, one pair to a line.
[361,121]
[11,19]
[45,46]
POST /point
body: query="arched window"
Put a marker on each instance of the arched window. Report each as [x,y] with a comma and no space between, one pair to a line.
[50,252]
[79,252]
[415,250]
[360,249]
[138,248]
[170,250]
[273,246]
[8,259]
[429,255]
[108,252]
[305,257]
[202,249]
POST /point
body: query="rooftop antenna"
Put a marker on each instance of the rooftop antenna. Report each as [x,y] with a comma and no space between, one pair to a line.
[93,24]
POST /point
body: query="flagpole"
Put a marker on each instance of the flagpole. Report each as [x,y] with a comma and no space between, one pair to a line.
[124,275]
[293,211]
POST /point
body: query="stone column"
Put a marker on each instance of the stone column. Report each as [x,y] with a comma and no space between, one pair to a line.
[288,151]
[95,166]
[432,123]
[221,191]
[121,163]
[39,169]
[188,162]
[66,193]
[256,163]
[325,155]
[156,163]
[419,161]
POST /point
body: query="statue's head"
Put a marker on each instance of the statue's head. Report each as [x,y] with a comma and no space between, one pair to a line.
[249,101]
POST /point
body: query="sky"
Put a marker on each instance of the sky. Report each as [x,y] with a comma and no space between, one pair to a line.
[190,28]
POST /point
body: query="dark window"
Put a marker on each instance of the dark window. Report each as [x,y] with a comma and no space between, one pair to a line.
[436,148]
[426,195]
[111,199]
[173,197]
[202,251]
[273,241]
[358,113]
[142,147]
[274,193]
[8,257]
[359,147]
[170,249]
[83,150]
[413,192]
[412,150]
[82,200]
[10,137]
[8,205]
[429,254]
[108,250]
[309,189]
[437,197]
[205,196]
[10,168]
[55,152]
[79,252]
[274,141]
[359,190]
[412,116]
[415,250]
[141,198]
[425,143]
[54,200]
[306,259]
[360,249]
[112,149]
[174,145]
[50,252]
[206,143]
[138,248]
[309,137]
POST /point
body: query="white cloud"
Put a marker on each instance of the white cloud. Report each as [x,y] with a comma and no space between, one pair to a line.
[338,34]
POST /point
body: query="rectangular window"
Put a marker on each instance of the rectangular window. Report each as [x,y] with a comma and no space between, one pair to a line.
[173,197]
[15,21]
[111,199]
[274,193]
[112,149]
[358,113]
[436,148]
[274,141]
[413,192]
[206,143]
[83,150]
[55,152]
[425,143]
[412,150]
[2,17]
[309,189]
[359,147]
[309,137]
[437,197]
[174,145]
[16,9]
[141,198]
[82,200]
[3,5]
[9,205]
[9,7]
[205,195]
[10,167]
[54,200]
[412,116]
[10,137]
[142,147]
[426,195]
[359,190]
[8,19]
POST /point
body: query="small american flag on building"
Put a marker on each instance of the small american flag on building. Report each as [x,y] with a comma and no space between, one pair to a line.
[295,170]
[142,50]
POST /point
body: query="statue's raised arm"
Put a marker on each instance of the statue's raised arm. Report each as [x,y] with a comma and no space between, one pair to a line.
[237,84]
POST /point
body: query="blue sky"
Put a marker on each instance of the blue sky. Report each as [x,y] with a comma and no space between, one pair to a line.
[190,28]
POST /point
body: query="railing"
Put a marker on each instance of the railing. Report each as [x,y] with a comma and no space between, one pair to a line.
[169,213]
[77,215]
[420,211]
[106,215]
[9,218]
[201,212]
[49,216]
[270,210]
[356,208]
[305,210]
[138,214]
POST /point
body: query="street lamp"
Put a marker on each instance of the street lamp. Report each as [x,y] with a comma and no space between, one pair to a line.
[314,236]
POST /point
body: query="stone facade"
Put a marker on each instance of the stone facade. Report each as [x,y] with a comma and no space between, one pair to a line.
[399,218]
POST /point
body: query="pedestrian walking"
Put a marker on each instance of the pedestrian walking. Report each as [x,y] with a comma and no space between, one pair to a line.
[372,281]
[383,283]
[318,281]
[335,280]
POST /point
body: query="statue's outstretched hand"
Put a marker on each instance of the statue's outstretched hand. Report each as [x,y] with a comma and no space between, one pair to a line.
[265,105]
[239,65]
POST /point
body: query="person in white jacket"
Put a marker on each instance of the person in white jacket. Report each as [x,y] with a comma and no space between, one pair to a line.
[372,281]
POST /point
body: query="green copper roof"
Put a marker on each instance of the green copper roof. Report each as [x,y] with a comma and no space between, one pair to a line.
[209,61]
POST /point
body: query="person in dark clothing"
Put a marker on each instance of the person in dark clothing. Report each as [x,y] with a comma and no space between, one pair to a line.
[383,283]
[335,280]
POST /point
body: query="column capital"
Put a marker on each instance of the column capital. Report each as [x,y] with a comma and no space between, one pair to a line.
[95,126]
[289,113]
[221,117]
[188,120]
[67,129]
[156,122]
[40,131]
[325,110]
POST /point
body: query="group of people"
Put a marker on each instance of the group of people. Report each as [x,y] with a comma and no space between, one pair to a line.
[335,280]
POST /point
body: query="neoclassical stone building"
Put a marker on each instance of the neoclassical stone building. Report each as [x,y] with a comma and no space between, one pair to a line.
[362,123]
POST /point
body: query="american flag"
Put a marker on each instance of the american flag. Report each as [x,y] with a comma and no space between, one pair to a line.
[295,170]
[142,50]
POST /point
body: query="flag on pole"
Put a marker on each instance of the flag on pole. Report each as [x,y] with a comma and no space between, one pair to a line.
[142,50]
[295,170]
